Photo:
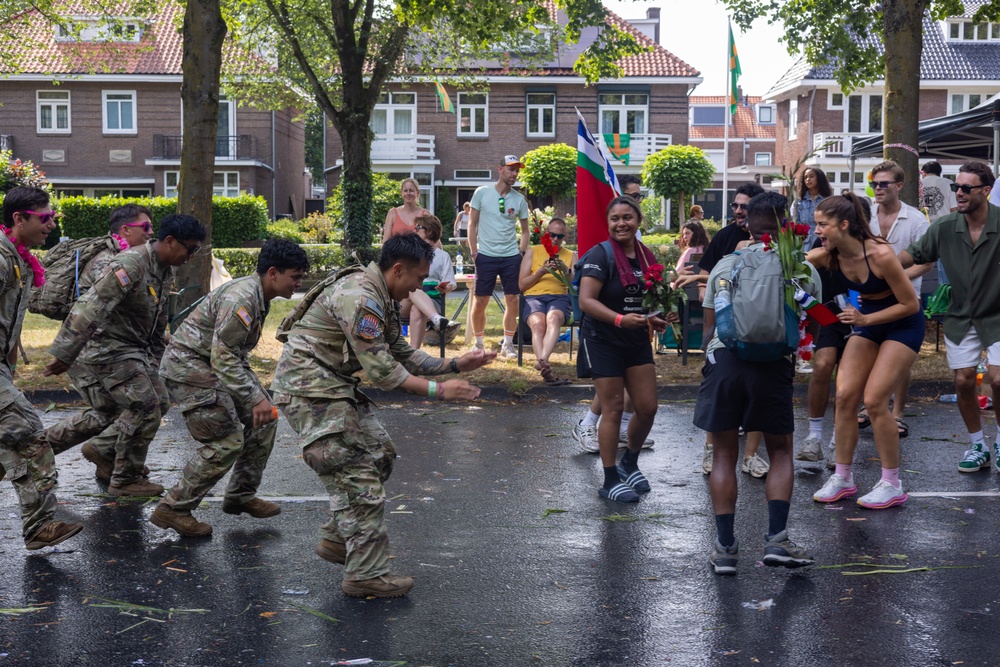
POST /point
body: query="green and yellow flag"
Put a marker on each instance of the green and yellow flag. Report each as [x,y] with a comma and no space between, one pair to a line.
[442,94]
[734,72]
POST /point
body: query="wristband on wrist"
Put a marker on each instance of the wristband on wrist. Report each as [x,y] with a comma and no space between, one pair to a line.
[618,320]
[453,366]
[432,388]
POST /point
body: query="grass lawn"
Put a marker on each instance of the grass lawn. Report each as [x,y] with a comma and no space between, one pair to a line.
[39,331]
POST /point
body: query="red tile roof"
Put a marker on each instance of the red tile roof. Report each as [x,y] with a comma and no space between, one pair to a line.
[744,125]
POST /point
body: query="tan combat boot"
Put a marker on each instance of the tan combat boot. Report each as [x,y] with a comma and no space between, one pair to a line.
[142,488]
[257,508]
[52,534]
[335,552]
[386,586]
[184,524]
[105,467]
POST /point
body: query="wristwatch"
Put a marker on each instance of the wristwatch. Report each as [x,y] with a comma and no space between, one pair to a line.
[453,366]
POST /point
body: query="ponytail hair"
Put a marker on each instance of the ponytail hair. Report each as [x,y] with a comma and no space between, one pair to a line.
[848,207]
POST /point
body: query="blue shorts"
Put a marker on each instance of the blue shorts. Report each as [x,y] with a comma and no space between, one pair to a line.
[546,303]
[489,268]
[909,331]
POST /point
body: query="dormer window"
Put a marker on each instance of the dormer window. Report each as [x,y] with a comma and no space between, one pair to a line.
[967,31]
[765,114]
[100,30]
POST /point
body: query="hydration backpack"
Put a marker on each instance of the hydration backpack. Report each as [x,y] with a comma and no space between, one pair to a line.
[64,264]
[757,324]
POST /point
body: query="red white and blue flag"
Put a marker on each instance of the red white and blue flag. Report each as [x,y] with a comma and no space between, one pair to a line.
[596,186]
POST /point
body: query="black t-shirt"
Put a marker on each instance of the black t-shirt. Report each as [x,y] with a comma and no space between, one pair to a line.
[597,264]
[723,244]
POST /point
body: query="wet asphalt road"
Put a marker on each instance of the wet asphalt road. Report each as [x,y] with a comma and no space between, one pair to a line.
[499,583]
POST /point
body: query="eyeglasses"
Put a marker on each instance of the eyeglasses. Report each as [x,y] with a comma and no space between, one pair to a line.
[46,217]
[881,185]
[146,227]
[557,236]
[419,228]
[191,249]
[638,196]
[965,189]
[503,205]
[737,207]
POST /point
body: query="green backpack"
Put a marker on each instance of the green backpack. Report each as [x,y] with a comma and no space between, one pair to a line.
[64,264]
[939,302]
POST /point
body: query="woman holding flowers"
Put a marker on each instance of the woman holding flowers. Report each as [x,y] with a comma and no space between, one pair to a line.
[615,346]
[888,332]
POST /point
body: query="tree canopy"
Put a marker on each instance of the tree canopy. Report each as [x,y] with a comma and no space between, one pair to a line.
[550,171]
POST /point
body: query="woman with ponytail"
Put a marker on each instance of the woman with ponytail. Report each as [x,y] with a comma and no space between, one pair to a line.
[888,330]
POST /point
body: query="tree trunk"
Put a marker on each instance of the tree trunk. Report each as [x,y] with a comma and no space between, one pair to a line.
[903,21]
[356,181]
[204,32]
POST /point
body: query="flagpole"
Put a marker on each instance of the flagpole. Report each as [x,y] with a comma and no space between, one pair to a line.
[725,140]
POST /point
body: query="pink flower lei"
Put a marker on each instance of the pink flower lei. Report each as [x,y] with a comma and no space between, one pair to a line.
[122,243]
[29,259]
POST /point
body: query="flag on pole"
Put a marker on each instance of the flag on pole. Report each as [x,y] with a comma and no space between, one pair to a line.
[442,94]
[619,146]
[596,186]
[734,72]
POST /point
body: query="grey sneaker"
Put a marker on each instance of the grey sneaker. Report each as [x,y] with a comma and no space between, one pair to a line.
[781,551]
[587,437]
[831,456]
[812,450]
[706,459]
[723,559]
[507,351]
[623,441]
[755,466]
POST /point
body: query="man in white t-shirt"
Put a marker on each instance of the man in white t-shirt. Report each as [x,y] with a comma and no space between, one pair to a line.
[900,224]
[938,197]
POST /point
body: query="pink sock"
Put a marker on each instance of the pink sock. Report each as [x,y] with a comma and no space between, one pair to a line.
[845,471]
[891,475]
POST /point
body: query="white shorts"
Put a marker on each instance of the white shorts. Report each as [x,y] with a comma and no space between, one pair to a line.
[969,352]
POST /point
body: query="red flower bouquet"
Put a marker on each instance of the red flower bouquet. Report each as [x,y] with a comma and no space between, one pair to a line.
[660,296]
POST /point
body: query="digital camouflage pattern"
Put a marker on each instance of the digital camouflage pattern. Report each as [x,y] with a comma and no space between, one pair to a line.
[207,371]
[16,279]
[71,268]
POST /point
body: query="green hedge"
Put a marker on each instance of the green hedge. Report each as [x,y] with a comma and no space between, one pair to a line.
[235,220]
[243,261]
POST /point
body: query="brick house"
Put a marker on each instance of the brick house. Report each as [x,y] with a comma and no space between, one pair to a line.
[751,145]
[450,155]
[817,122]
[103,117]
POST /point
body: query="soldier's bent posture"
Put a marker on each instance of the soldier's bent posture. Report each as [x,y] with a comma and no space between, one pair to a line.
[111,341]
[348,323]
[24,457]
[206,368]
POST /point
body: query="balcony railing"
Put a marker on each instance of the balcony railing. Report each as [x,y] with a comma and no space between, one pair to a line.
[227,147]
[403,147]
[7,142]
[641,146]
[835,144]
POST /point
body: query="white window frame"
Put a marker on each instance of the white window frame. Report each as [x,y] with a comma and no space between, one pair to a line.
[829,100]
[391,107]
[758,163]
[771,110]
[228,188]
[966,105]
[967,32]
[54,105]
[624,108]
[538,109]
[464,105]
[793,118]
[866,99]
[105,115]
[168,189]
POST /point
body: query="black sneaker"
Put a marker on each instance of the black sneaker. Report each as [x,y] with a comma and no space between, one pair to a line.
[781,551]
[723,559]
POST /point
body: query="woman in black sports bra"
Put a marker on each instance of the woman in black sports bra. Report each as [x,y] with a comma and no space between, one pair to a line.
[888,331]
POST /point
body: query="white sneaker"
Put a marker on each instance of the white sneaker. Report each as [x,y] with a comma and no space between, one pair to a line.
[802,366]
[479,346]
[835,488]
[587,437]
[811,450]
[755,466]
[882,496]
[507,351]
[623,441]
[706,460]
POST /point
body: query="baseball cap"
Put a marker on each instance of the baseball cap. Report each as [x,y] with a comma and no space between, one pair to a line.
[512,161]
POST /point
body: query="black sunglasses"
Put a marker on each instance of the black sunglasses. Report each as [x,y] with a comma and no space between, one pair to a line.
[557,236]
[638,196]
[737,207]
[965,189]
[191,249]
[881,185]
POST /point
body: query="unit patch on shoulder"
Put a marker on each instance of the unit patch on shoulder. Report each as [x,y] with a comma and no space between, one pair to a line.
[122,277]
[244,317]
[368,327]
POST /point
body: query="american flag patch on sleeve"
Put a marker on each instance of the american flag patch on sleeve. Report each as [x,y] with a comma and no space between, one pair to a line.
[122,277]
[244,317]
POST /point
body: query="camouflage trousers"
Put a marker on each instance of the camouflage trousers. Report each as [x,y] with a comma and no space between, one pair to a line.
[229,440]
[128,396]
[353,456]
[26,458]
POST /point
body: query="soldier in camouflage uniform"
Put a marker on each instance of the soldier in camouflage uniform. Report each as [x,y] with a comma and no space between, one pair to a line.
[29,462]
[349,323]
[111,342]
[206,368]
[131,226]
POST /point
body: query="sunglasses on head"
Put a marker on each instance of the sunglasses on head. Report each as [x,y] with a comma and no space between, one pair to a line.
[965,189]
[557,236]
[738,207]
[146,227]
[46,217]
[881,185]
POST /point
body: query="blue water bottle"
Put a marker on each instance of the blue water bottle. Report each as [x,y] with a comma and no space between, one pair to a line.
[725,322]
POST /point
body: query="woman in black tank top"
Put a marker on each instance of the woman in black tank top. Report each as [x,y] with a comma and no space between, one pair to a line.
[888,331]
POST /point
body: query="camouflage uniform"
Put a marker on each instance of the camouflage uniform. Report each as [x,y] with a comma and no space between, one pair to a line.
[207,370]
[113,338]
[26,458]
[352,325]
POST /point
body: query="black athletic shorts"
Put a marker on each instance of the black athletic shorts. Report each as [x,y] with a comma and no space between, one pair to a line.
[734,393]
[598,359]
[834,335]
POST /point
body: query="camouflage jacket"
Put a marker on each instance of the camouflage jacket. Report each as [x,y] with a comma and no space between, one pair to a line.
[124,314]
[213,345]
[16,279]
[352,325]
[97,266]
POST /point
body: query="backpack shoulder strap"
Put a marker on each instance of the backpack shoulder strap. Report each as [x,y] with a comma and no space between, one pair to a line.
[299,311]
